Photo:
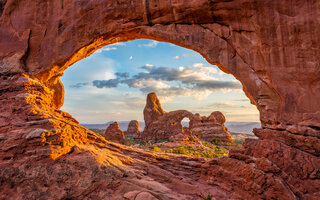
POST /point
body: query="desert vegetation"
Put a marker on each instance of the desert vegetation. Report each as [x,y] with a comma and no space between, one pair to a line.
[191,148]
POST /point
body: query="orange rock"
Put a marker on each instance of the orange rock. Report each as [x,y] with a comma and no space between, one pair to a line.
[114,133]
[271,47]
[153,109]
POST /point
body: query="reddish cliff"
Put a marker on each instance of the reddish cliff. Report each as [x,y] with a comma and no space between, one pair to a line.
[271,47]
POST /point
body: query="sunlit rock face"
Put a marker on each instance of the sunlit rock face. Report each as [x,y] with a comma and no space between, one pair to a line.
[163,125]
[153,110]
[114,133]
[271,47]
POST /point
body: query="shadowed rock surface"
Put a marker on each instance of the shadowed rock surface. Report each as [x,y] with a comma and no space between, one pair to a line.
[114,133]
[271,47]
[133,129]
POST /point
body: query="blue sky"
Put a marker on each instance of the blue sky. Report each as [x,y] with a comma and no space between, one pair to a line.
[112,84]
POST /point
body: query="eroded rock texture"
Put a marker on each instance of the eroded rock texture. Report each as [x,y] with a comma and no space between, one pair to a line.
[133,129]
[114,133]
[210,128]
[162,124]
[272,47]
[153,110]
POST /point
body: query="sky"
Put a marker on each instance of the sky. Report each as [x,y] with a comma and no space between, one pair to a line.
[112,84]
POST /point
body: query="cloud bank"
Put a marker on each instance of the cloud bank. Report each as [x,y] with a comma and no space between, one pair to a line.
[198,81]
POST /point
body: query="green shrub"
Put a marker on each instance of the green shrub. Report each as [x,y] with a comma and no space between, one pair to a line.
[205,153]
[215,141]
[238,141]
[209,197]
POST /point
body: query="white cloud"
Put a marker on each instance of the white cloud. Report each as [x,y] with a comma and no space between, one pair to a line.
[109,48]
[150,44]
[109,75]
[199,72]
[147,66]
[168,93]
[152,84]
[119,44]
[198,65]
[106,49]
[176,58]
[130,58]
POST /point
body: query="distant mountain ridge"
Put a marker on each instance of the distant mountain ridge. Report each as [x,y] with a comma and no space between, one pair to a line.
[236,127]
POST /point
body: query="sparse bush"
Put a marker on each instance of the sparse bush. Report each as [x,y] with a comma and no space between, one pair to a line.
[238,141]
[155,148]
[215,141]
[161,140]
[99,131]
[180,150]
[209,197]
[194,152]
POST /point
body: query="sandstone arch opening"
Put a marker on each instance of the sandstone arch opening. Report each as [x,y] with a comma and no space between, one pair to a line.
[112,85]
[276,58]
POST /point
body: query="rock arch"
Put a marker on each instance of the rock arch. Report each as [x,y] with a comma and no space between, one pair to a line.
[270,47]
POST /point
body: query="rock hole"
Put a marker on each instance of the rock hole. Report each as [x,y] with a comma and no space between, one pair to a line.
[107,93]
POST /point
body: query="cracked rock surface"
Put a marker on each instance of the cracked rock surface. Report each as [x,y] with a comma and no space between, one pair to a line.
[271,47]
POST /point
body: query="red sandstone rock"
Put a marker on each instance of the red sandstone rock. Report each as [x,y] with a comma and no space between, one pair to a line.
[169,124]
[165,126]
[114,133]
[153,109]
[133,129]
[217,117]
[271,47]
[210,128]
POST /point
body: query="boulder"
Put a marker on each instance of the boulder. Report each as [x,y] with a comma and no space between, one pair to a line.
[133,129]
[114,133]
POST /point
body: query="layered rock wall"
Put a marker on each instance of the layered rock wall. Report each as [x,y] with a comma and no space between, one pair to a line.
[271,47]
[278,37]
